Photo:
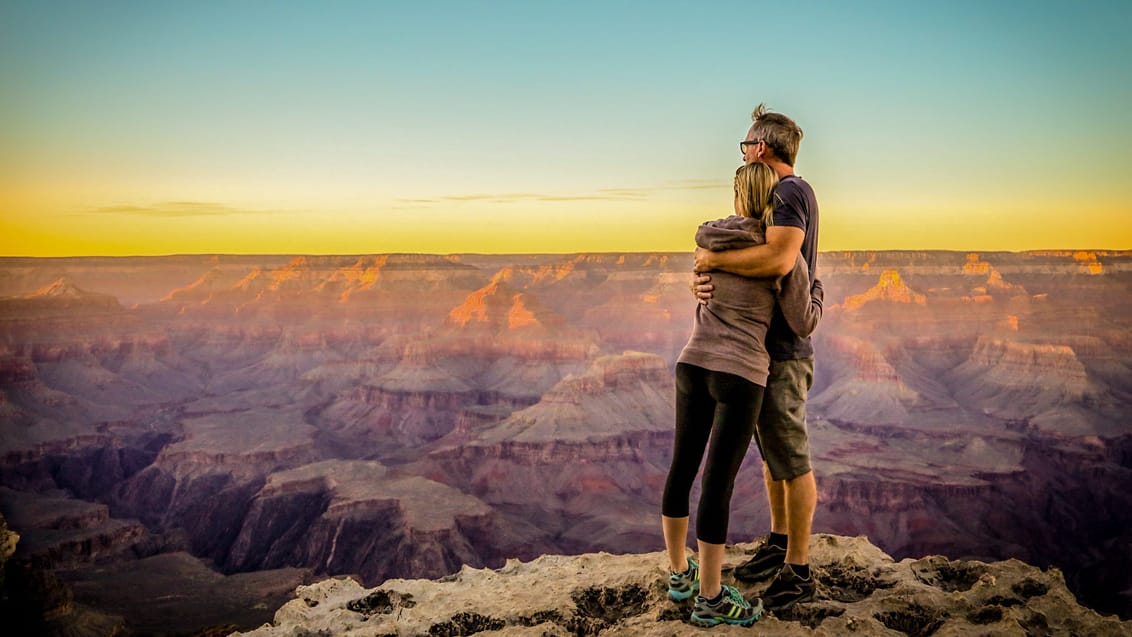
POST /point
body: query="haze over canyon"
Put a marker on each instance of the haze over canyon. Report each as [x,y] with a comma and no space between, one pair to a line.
[193,436]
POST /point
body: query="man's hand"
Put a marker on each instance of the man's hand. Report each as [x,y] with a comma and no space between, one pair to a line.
[701,286]
[703,260]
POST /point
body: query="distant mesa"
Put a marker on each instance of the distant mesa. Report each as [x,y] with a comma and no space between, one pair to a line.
[1013,380]
[61,289]
[523,277]
[616,395]
[421,369]
[1088,261]
[361,276]
[60,298]
[1027,359]
[890,288]
[214,281]
[870,260]
[314,284]
[298,275]
[583,269]
[994,281]
[974,265]
[994,284]
[498,306]
[869,389]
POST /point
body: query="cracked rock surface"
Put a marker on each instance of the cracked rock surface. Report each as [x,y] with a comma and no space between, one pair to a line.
[861,591]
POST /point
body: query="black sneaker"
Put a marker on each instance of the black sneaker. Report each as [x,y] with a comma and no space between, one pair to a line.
[766,561]
[788,589]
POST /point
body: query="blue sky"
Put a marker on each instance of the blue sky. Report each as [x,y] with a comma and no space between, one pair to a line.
[157,127]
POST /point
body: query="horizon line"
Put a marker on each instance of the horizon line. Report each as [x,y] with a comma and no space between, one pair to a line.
[1120,251]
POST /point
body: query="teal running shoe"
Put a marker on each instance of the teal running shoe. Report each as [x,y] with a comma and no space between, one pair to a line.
[730,609]
[681,586]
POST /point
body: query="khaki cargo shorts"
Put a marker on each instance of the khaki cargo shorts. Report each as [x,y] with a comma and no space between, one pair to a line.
[780,431]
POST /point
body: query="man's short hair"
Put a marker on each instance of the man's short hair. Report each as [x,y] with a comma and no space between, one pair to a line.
[781,134]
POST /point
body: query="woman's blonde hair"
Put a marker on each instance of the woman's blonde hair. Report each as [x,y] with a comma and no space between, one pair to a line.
[754,192]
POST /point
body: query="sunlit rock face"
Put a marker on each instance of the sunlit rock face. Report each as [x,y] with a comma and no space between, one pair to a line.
[315,413]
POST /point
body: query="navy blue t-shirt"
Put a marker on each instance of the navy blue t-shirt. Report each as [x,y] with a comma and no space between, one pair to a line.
[795,205]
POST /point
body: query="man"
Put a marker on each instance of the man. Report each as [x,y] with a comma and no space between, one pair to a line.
[780,431]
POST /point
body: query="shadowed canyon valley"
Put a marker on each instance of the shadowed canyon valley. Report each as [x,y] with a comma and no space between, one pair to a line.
[191,437]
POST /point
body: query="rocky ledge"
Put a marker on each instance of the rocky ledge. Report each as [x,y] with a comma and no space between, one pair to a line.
[861,591]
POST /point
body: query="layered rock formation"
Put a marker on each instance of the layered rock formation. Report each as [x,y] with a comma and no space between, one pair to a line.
[973,405]
[60,298]
[202,482]
[890,288]
[60,531]
[585,465]
[359,517]
[311,288]
[1012,380]
[861,591]
[866,387]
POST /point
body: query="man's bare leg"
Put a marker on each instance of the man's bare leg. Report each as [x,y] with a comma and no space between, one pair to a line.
[770,557]
[801,501]
[776,495]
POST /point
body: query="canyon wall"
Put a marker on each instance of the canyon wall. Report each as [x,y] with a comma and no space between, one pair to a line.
[401,415]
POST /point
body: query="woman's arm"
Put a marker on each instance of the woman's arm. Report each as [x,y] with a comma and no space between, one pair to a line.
[801,304]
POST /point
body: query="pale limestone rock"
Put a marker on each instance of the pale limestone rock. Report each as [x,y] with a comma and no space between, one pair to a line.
[861,591]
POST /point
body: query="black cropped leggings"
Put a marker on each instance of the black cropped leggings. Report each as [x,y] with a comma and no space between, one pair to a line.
[714,411]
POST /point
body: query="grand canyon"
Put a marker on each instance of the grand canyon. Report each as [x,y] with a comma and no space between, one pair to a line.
[186,439]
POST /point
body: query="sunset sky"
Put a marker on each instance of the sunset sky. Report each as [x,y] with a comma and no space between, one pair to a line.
[540,126]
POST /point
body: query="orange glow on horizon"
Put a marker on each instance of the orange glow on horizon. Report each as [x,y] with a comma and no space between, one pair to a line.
[544,227]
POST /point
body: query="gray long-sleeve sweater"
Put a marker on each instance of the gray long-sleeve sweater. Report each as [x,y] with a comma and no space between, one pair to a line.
[730,330]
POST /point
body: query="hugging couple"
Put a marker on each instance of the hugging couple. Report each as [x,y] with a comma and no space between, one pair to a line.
[744,374]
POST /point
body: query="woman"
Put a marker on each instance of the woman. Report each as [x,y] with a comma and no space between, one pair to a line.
[720,378]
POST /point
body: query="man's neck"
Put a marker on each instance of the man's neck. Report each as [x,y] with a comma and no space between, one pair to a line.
[781,169]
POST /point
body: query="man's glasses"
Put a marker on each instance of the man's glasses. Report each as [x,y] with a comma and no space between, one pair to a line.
[744,144]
